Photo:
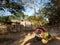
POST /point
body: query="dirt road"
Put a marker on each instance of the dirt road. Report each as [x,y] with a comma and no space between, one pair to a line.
[28,39]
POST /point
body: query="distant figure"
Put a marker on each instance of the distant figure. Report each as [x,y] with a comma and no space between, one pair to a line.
[40,30]
[41,33]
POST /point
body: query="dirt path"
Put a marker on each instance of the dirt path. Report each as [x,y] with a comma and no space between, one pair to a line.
[28,39]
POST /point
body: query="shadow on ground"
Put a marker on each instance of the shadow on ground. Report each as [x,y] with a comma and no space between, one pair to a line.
[9,39]
[32,42]
[17,39]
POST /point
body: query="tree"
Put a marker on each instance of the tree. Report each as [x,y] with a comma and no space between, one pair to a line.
[39,20]
[14,7]
[52,10]
[5,19]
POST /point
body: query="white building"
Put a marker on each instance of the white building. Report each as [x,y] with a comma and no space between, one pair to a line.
[26,23]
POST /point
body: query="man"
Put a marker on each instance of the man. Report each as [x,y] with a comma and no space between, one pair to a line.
[40,29]
[39,32]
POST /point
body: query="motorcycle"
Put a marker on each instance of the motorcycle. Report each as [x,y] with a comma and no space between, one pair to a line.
[45,37]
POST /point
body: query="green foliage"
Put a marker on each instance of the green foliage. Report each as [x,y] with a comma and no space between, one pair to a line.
[38,20]
[14,8]
[52,9]
[5,19]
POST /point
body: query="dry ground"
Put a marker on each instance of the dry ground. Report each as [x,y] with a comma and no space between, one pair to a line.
[26,39]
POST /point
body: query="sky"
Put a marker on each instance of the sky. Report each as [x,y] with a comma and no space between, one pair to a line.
[5,12]
[28,11]
[31,11]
